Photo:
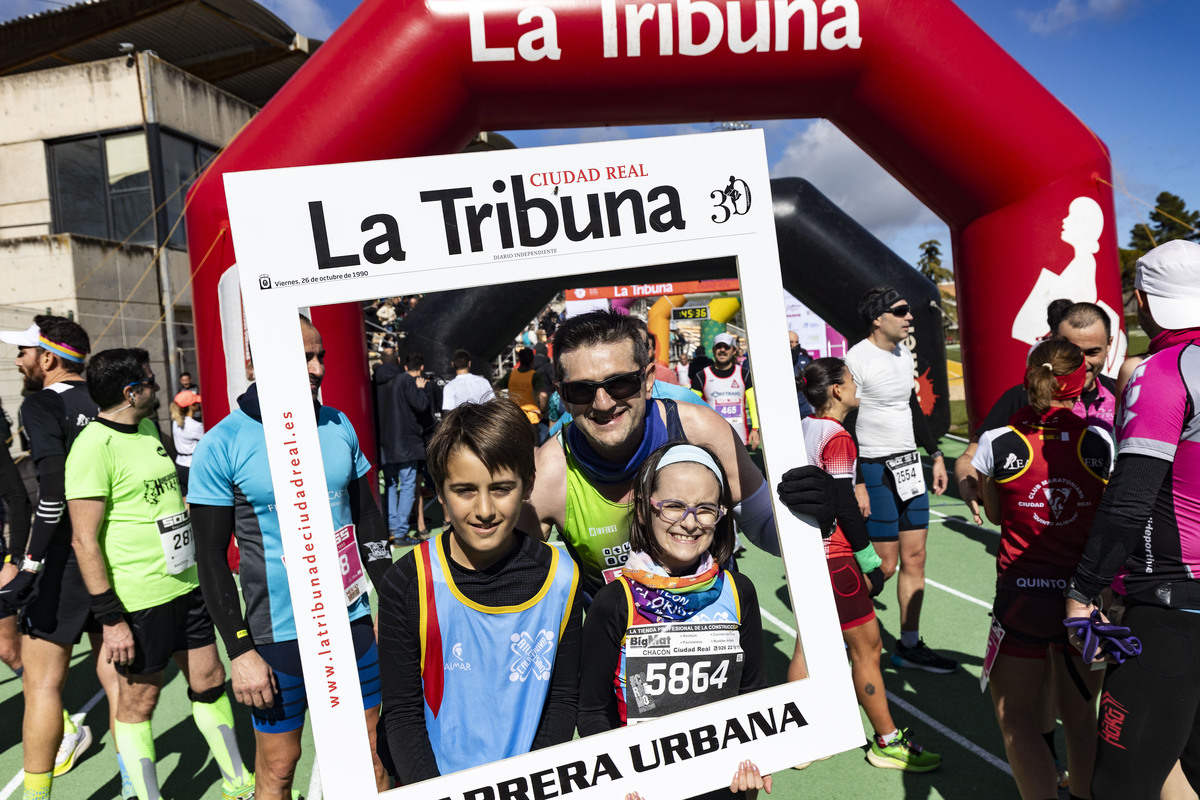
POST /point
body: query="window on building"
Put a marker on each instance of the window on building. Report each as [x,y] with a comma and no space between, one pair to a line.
[183,160]
[101,187]
[102,184]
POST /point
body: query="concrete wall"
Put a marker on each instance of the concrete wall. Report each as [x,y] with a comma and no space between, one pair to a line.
[85,98]
[187,104]
[113,293]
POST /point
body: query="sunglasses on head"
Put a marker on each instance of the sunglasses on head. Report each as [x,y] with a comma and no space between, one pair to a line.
[900,311]
[618,387]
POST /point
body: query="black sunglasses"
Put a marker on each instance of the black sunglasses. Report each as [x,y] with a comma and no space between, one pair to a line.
[900,311]
[618,387]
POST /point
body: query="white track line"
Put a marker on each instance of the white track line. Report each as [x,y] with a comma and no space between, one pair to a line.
[957,593]
[963,521]
[18,780]
[949,733]
[954,736]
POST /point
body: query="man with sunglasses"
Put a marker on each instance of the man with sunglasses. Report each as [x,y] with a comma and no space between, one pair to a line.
[133,539]
[46,589]
[888,427]
[585,474]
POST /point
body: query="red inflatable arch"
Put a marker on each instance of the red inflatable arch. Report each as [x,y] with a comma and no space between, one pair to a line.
[1022,183]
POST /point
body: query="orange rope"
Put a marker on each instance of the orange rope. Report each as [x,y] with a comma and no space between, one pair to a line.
[191,278]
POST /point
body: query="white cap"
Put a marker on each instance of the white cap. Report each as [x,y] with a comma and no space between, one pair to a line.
[25,338]
[1170,275]
[725,338]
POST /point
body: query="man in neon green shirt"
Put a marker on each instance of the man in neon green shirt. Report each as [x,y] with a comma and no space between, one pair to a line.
[133,539]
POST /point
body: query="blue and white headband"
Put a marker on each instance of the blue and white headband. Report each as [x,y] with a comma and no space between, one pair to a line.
[690,454]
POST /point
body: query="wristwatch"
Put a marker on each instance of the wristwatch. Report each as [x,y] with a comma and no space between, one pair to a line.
[31,565]
[936,454]
[1072,593]
[111,618]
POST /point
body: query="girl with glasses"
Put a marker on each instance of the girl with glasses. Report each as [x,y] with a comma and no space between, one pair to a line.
[680,534]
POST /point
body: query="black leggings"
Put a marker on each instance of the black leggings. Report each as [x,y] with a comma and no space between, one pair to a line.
[1149,707]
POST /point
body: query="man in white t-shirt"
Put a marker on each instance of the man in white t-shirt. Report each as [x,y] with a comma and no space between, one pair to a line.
[892,492]
[466,386]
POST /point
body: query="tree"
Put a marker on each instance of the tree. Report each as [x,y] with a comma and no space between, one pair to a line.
[1169,220]
[930,262]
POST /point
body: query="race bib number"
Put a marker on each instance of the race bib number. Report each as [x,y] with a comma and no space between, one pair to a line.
[354,579]
[907,475]
[675,666]
[995,637]
[611,575]
[730,410]
[614,561]
[179,548]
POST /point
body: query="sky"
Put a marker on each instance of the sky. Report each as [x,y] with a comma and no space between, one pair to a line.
[1128,68]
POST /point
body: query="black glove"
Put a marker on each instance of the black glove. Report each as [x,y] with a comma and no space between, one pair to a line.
[811,490]
[876,579]
[19,592]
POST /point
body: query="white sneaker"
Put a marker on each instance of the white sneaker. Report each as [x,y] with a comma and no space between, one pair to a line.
[71,747]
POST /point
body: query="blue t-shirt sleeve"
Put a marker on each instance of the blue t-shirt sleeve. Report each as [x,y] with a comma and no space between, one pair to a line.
[210,482]
[361,465]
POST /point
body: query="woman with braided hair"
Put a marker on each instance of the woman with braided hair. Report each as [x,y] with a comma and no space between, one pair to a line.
[1044,474]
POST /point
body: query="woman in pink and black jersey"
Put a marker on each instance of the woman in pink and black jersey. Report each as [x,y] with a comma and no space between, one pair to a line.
[1044,474]
[854,567]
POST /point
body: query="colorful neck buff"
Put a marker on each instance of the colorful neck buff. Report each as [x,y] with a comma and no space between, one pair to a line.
[660,597]
[1171,338]
[60,350]
[1070,386]
[598,470]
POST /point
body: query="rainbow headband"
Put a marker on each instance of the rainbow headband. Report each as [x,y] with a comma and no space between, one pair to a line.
[60,350]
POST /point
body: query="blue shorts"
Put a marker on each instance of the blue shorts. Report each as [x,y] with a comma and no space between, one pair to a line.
[287,713]
[890,514]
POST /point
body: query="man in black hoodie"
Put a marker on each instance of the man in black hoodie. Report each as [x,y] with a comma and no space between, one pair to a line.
[404,412]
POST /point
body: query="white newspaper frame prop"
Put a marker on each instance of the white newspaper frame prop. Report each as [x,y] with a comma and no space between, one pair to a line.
[705,195]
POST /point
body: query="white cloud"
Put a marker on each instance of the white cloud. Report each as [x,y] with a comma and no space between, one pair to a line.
[1065,13]
[306,17]
[822,155]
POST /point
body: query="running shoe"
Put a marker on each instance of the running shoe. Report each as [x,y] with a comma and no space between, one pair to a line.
[902,753]
[70,748]
[244,791]
[919,656]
